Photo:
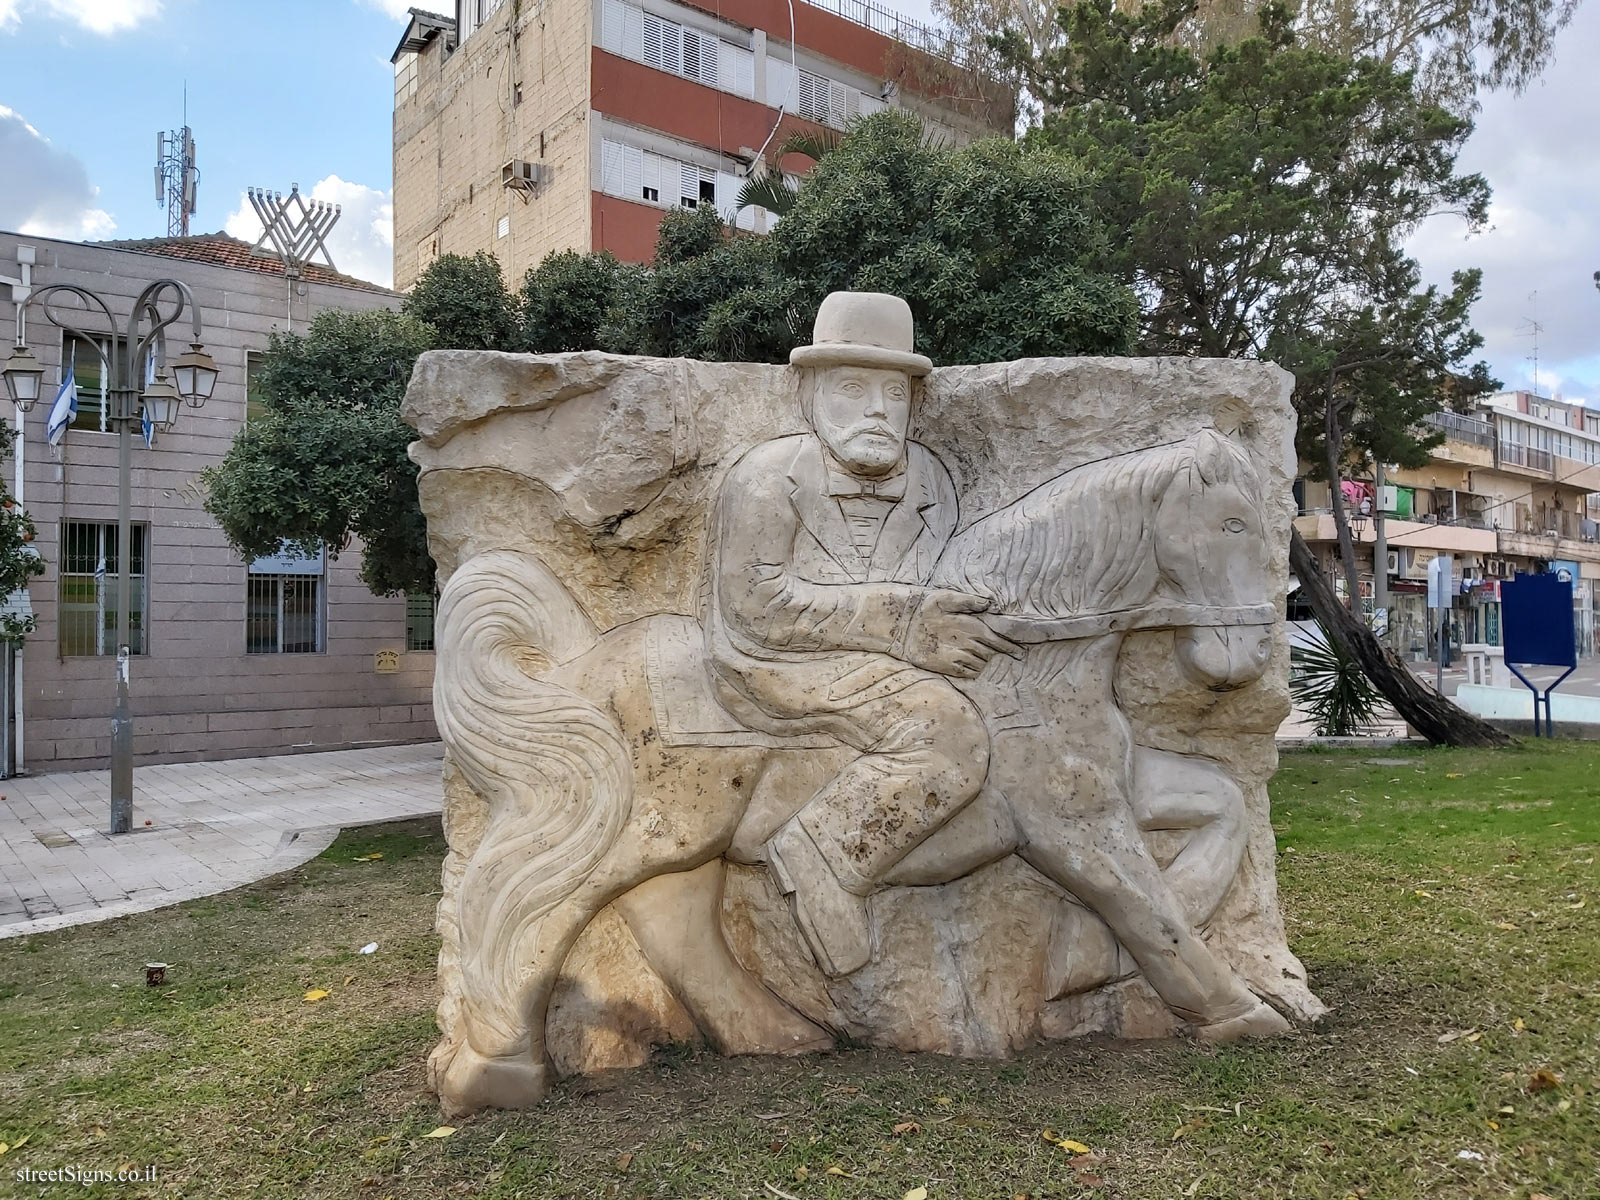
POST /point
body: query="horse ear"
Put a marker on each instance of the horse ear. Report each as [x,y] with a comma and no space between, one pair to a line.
[1233,419]
[1221,459]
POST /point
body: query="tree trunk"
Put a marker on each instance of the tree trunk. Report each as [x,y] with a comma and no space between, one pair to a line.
[1429,713]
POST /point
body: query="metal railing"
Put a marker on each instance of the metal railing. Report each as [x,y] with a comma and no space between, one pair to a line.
[881,19]
[1526,456]
[1463,429]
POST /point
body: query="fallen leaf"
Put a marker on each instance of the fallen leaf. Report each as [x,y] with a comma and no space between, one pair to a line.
[316,994]
[1423,894]
[348,980]
[1504,925]
[624,1161]
[1188,1127]
[4,1148]
[1579,904]
[1543,1080]
[374,857]
[1505,1110]
[442,1131]
[800,1174]
[840,1171]
[1562,1105]
[1453,775]
[1048,1136]
[1074,1147]
[1519,1024]
[1474,1036]
[1495,1125]
[908,1127]
[942,1101]
[916,1193]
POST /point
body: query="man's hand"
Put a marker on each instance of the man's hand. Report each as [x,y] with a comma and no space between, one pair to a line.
[945,635]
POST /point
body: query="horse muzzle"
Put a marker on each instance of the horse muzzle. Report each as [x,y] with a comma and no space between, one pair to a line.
[1224,657]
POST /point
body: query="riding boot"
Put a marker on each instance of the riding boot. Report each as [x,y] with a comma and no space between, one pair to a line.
[835,923]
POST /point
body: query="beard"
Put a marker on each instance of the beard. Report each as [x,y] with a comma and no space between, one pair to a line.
[870,447]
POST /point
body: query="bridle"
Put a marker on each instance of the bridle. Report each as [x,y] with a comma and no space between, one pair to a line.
[1031,629]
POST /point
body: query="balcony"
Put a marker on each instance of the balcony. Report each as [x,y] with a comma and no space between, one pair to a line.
[1541,462]
[1458,428]
[1543,545]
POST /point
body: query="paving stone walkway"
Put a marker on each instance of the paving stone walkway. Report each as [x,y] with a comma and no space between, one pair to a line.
[211,827]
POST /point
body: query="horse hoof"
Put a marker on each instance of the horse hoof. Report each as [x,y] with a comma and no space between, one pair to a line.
[469,1081]
[1261,1021]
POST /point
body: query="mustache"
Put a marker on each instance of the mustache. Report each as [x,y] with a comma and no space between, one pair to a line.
[866,427]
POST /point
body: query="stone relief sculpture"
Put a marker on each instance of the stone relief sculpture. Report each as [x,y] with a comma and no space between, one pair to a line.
[756,733]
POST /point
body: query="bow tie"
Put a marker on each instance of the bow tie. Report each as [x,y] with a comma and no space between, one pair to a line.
[846,487]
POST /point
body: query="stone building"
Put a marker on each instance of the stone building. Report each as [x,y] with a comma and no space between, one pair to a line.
[1513,488]
[524,129]
[230,658]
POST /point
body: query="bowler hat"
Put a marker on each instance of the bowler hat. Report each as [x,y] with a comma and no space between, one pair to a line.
[862,329]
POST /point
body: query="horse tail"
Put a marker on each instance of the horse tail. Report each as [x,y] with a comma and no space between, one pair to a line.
[554,770]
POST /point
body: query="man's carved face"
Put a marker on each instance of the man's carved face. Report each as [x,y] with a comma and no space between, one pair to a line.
[861,413]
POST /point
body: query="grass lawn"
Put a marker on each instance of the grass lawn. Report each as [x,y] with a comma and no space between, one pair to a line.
[1446,903]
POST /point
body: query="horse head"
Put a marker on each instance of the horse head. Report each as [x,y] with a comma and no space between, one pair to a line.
[1211,551]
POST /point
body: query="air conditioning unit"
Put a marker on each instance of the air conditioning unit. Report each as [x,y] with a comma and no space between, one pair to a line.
[524,176]
[1392,562]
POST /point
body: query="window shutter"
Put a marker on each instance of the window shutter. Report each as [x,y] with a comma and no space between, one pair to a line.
[780,84]
[736,70]
[654,35]
[633,32]
[611,23]
[836,104]
[700,57]
[812,98]
[611,168]
[727,195]
[688,185]
[632,172]
[871,104]
[650,176]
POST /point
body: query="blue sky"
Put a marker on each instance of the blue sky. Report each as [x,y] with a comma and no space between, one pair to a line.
[285,91]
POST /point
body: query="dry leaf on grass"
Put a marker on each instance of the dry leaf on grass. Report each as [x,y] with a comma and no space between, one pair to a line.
[374,857]
[839,1171]
[624,1161]
[316,994]
[1543,1080]
[801,1174]
[916,1193]
[907,1127]
[442,1131]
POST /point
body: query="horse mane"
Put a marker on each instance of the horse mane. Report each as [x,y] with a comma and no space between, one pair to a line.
[1082,542]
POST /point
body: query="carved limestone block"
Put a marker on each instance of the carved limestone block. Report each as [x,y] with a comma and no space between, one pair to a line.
[933,707]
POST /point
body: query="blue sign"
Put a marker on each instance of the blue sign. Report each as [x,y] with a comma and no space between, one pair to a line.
[1536,614]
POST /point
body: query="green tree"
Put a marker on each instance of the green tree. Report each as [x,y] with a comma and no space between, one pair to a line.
[1265,191]
[19,561]
[569,300]
[996,246]
[326,463]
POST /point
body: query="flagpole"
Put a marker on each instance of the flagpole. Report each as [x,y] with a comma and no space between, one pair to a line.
[122,721]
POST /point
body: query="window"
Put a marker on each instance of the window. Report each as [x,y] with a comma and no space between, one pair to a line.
[628,30]
[255,404]
[646,178]
[283,614]
[502,227]
[283,604]
[88,359]
[420,608]
[87,603]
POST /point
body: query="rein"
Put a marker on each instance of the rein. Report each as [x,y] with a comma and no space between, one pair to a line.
[1030,630]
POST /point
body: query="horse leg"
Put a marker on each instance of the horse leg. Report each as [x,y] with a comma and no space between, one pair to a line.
[1079,831]
[677,921]
[1184,794]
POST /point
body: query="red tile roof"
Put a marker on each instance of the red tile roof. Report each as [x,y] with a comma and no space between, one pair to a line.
[219,249]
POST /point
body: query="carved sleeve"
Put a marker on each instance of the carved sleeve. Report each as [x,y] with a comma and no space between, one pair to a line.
[761,597]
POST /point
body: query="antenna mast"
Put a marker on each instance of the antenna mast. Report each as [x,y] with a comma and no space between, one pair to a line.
[177,177]
[1535,328]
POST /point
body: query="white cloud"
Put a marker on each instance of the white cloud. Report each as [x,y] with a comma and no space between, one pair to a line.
[1543,236]
[398,9]
[362,242]
[104,17]
[45,192]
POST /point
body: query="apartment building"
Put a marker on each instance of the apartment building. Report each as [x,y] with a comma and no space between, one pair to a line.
[1514,487]
[230,657]
[576,124]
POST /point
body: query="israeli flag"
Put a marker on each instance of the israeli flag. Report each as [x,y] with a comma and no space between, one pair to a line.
[66,406]
[145,423]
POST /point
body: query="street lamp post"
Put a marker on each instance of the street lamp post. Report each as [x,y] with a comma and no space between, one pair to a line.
[140,340]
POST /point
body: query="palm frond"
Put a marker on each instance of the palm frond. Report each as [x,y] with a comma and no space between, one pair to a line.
[771,191]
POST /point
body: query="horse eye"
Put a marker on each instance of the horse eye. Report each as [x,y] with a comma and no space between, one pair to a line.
[1233,525]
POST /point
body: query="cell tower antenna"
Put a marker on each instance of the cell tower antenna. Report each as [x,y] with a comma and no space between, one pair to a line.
[177,176]
[1534,328]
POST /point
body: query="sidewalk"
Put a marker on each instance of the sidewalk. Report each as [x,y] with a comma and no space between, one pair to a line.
[211,826]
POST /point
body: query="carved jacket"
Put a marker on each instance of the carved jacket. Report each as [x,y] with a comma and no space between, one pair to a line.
[798,629]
